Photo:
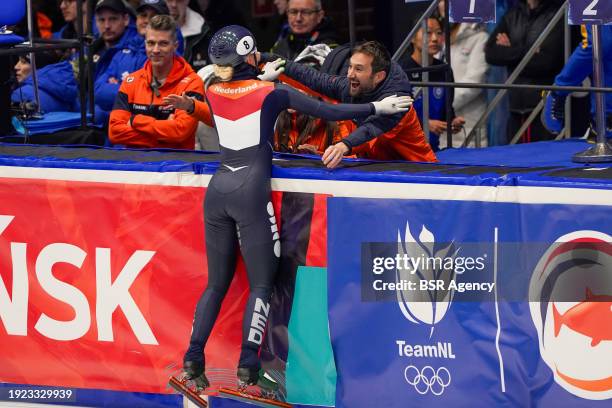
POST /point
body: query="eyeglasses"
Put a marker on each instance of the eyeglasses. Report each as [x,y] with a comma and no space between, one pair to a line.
[304,12]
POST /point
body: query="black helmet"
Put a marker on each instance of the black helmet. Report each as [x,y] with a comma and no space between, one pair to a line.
[230,45]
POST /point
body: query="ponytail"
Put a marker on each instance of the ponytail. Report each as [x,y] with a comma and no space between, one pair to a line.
[221,73]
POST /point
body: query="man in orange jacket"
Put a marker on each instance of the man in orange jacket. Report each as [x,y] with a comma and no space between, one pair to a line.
[139,117]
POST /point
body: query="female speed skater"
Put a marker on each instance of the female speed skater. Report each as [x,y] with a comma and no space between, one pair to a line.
[238,207]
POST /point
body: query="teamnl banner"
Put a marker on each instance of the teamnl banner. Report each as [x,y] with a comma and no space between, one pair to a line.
[464,303]
[99,282]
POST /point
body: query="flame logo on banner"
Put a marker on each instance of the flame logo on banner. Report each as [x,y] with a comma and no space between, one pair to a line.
[424,306]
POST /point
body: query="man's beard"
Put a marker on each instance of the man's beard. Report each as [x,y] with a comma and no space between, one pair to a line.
[361,90]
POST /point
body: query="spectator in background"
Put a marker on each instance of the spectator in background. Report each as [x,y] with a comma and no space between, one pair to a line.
[300,133]
[296,132]
[437,95]
[576,70]
[145,11]
[69,12]
[281,7]
[219,13]
[57,87]
[134,3]
[280,20]
[470,66]
[115,53]
[509,43]
[139,117]
[44,22]
[196,32]
[308,25]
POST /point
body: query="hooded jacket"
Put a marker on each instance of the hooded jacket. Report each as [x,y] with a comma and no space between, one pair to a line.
[401,133]
[153,125]
[115,62]
[197,34]
[57,89]
[290,45]
[523,26]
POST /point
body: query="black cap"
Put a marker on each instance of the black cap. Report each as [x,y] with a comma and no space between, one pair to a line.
[159,6]
[116,5]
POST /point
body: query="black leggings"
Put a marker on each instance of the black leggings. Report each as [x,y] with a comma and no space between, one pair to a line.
[243,216]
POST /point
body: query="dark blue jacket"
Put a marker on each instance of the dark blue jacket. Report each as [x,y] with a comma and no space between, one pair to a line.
[437,95]
[116,62]
[57,89]
[337,87]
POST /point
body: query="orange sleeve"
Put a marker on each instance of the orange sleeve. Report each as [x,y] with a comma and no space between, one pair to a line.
[202,113]
[120,132]
[178,129]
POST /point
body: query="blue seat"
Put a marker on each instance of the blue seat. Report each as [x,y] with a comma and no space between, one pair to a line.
[11,13]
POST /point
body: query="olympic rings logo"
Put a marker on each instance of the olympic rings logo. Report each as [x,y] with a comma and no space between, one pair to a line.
[428,379]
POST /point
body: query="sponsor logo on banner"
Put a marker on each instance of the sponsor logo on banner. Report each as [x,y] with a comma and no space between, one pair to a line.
[425,311]
[424,307]
[111,295]
[90,275]
[428,379]
[575,338]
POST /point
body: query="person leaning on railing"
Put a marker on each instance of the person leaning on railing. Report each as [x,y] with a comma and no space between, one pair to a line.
[371,77]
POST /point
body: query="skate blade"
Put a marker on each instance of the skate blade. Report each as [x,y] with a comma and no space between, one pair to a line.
[194,397]
[251,399]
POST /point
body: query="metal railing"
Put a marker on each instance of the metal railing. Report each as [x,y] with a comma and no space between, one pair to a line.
[507,85]
[517,71]
[40,45]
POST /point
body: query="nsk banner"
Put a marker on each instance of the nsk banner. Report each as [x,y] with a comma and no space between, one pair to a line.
[99,281]
[430,347]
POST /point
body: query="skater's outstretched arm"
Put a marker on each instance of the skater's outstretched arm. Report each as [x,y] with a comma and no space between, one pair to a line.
[290,98]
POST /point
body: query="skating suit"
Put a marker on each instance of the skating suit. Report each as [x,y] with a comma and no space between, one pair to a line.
[237,207]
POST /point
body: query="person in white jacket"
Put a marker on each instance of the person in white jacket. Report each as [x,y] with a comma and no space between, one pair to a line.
[469,65]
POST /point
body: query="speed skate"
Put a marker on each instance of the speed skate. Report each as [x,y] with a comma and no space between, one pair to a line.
[194,390]
[255,387]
